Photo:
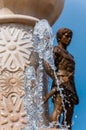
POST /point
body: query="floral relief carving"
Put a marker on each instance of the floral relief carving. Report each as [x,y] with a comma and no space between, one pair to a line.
[12,114]
[15,46]
[12,82]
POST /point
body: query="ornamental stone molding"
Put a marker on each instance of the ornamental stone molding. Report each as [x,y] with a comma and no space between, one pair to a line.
[30,11]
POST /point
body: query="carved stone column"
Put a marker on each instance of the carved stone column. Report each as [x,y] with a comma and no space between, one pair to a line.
[15,44]
[17,19]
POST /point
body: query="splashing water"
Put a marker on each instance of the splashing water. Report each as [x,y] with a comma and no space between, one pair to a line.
[43,41]
[30,85]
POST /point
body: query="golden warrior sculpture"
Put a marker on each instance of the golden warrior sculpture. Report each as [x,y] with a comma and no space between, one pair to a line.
[65,67]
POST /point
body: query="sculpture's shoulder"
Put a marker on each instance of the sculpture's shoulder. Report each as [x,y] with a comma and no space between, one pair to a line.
[56,49]
[60,52]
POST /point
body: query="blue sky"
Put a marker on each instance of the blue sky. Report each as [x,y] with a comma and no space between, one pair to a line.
[74,17]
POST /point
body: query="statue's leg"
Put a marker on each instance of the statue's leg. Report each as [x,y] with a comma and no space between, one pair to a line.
[69,115]
[57,109]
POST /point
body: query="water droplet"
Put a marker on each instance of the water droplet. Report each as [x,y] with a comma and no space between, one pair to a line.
[76,116]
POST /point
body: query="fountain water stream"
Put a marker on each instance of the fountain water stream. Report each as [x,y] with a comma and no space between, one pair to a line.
[43,45]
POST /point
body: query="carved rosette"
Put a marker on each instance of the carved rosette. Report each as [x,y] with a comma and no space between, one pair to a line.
[16,44]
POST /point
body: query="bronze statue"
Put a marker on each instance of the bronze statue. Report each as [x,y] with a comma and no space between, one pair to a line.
[65,67]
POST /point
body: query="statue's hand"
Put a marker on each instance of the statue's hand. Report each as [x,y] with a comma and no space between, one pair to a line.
[50,94]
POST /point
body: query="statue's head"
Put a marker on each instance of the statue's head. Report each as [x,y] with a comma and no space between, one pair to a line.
[64,36]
